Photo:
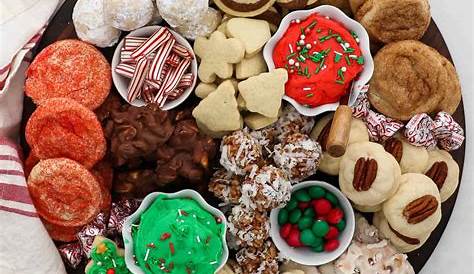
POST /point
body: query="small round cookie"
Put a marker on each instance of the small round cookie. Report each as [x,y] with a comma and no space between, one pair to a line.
[415,209]
[340,4]
[410,78]
[290,122]
[239,152]
[395,20]
[367,209]
[320,132]
[444,172]
[368,174]
[249,227]
[402,243]
[128,15]
[412,159]
[244,8]
[262,260]
[293,268]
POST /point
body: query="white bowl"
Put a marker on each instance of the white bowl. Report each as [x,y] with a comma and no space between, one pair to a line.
[304,255]
[364,44]
[186,193]
[121,83]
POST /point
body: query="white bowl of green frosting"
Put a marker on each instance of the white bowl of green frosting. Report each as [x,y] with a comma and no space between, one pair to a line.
[176,232]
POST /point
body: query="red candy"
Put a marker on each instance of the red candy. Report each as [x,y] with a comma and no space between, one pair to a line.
[294,238]
[285,230]
[322,206]
[110,271]
[303,205]
[335,216]
[332,233]
[331,245]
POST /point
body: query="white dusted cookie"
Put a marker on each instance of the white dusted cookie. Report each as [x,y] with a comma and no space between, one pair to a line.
[253,33]
[415,209]
[129,15]
[368,174]
[217,54]
[401,242]
[320,132]
[412,159]
[91,26]
[444,172]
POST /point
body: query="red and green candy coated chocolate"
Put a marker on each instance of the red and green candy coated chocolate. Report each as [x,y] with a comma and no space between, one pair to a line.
[312,218]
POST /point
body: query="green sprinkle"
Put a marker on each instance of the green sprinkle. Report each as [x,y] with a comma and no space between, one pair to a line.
[309,95]
[326,51]
[301,58]
[289,56]
[339,39]
[340,74]
[337,58]
[310,26]
[347,60]
[360,60]
[320,67]
[306,71]
[340,82]
[349,50]
[302,30]
[354,34]
[318,30]
[327,37]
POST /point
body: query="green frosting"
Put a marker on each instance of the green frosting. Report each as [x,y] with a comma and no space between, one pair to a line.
[177,236]
[107,260]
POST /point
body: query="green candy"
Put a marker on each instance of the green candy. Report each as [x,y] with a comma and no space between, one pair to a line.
[302,195]
[292,204]
[331,198]
[318,242]
[341,225]
[319,248]
[307,237]
[316,192]
[305,222]
[295,216]
[320,228]
[309,212]
[282,216]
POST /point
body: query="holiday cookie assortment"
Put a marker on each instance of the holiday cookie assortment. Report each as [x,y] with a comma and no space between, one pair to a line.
[94,156]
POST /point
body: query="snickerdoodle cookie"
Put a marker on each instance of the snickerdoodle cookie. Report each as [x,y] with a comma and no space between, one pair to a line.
[394,20]
[410,78]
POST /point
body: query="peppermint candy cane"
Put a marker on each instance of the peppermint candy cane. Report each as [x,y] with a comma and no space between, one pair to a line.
[138,78]
[126,56]
[173,60]
[175,93]
[171,81]
[182,51]
[132,42]
[127,70]
[148,93]
[160,60]
[158,38]
[186,81]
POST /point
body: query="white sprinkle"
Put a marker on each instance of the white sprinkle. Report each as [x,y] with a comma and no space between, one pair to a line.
[213,262]
[301,42]
[291,62]
[337,52]
[343,46]
[347,45]
[135,225]
[302,36]
[353,56]
[208,222]
[179,213]
[291,48]
[357,39]
[343,69]
[113,262]
[146,255]
[307,88]
[189,252]
[324,67]
[315,42]
[302,58]
[297,21]
[308,46]
[327,17]
[297,64]
[198,239]
[99,263]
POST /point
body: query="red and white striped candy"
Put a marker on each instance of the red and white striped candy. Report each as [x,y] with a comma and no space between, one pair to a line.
[158,38]
[160,59]
[148,93]
[126,56]
[133,42]
[173,60]
[171,81]
[182,51]
[175,93]
[138,78]
[186,81]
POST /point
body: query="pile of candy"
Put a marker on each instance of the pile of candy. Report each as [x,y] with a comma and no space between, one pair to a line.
[157,67]
[312,218]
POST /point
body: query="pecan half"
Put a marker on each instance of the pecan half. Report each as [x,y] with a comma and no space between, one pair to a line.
[420,209]
[365,172]
[438,173]
[394,147]
[323,136]
[406,239]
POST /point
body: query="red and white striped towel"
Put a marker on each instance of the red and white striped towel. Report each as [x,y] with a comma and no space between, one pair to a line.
[25,246]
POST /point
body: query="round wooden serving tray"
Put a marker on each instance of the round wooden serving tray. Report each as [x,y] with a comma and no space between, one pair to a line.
[61,27]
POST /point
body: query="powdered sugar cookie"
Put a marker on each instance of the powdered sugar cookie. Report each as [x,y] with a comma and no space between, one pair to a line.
[368,174]
[415,209]
[402,243]
[444,172]
[128,15]
[412,159]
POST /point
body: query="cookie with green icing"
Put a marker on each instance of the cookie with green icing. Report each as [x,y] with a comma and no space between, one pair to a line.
[106,258]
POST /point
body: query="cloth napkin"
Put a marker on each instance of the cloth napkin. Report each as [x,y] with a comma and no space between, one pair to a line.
[25,246]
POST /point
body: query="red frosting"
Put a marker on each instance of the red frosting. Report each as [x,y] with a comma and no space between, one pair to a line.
[322,68]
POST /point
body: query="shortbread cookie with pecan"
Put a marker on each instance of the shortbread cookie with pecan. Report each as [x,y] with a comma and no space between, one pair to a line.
[368,174]
[401,242]
[320,132]
[394,20]
[444,172]
[412,159]
[415,209]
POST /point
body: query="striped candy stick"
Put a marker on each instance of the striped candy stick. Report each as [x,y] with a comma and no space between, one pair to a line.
[171,81]
[133,42]
[148,93]
[160,59]
[157,39]
[138,78]
[127,70]
[186,81]
[126,56]
[173,60]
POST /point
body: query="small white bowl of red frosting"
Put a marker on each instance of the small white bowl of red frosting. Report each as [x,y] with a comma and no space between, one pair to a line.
[327,56]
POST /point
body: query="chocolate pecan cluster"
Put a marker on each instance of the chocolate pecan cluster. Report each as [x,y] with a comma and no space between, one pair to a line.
[144,139]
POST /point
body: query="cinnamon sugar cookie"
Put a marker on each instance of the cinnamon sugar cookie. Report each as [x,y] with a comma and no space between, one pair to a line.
[394,20]
[410,78]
